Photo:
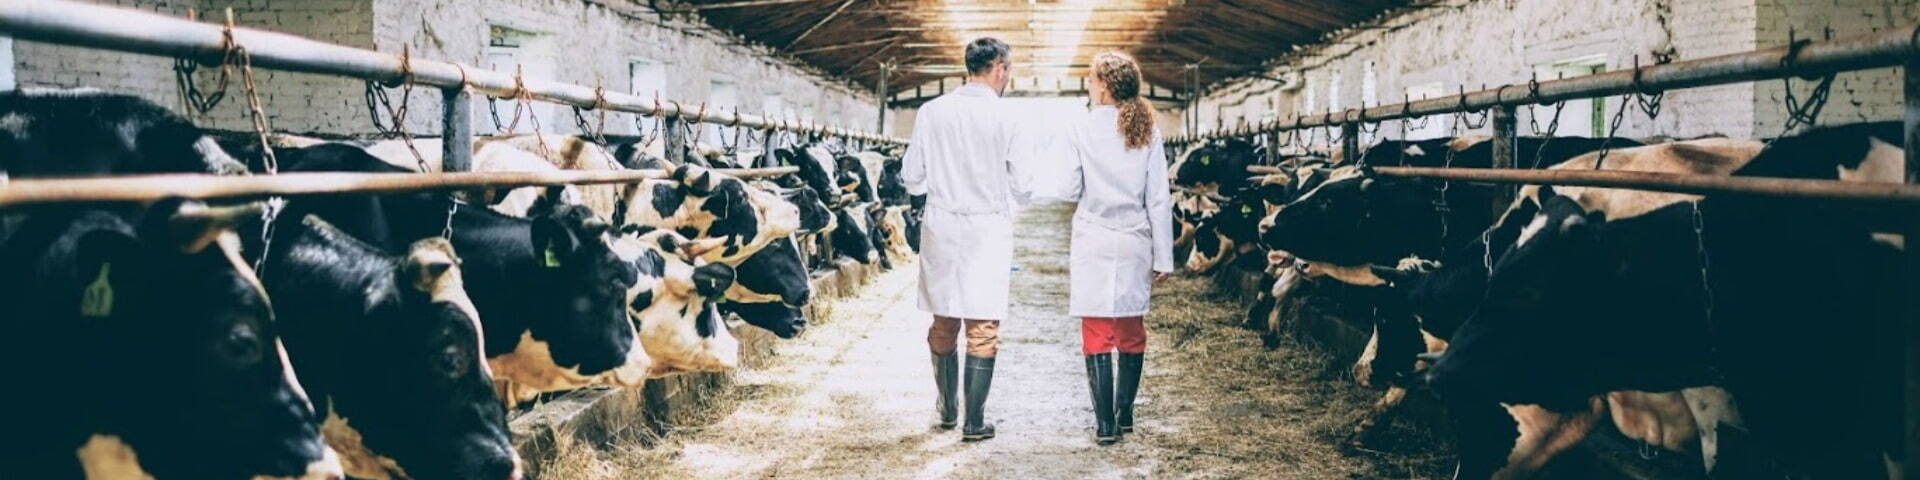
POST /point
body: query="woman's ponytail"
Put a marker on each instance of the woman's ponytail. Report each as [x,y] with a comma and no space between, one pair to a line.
[1122,77]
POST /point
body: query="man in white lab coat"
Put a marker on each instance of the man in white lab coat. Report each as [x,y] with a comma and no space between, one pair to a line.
[960,159]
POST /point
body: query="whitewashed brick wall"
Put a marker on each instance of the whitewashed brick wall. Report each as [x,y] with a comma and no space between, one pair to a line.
[1495,42]
[592,44]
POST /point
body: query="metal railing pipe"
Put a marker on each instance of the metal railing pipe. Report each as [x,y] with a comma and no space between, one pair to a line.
[1893,193]
[127,30]
[1883,49]
[147,188]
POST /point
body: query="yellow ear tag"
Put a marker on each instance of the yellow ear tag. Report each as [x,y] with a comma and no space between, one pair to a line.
[1246,209]
[552,260]
[1206,160]
[97,300]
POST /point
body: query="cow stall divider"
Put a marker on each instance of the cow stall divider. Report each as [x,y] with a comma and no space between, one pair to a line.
[1807,59]
[587,412]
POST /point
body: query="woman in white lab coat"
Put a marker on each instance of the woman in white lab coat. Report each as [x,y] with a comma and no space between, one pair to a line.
[1122,235]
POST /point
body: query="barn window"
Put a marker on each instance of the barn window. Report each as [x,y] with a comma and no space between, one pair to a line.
[1583,117]
[532,53]
[644,79]
[1333,92]
[1434,126]
[1368,95]
[722,96]
[6,64]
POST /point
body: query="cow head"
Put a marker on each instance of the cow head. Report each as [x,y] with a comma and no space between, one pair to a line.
[674,304]
[816,170]
[727,208]
[1354,218]
[772,275]
[893,187]
[583,280]
[852,239]
[814,215]
[180,311]
[427,406]
[1526,340]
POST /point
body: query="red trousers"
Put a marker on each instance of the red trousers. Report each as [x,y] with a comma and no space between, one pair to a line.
[1104,335]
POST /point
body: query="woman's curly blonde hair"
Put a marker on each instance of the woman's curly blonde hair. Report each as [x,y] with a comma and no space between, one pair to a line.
[1122,76]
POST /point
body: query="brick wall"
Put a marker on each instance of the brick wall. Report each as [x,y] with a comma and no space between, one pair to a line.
[586,43]
[589,43]
[1868,95]
[1495,42]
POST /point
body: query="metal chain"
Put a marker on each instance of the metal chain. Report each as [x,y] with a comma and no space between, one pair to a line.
[1802,114]
[523,100]
[397,117]
[193,98]
[1706,279]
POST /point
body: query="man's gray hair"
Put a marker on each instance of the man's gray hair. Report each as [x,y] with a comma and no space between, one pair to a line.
[982,52]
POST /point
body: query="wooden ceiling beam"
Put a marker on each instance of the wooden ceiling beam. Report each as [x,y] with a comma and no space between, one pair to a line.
[844,46]
[701,7]
[816,25]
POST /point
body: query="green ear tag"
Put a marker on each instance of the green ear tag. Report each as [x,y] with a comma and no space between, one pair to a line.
[97,300]
[1246,209]
[552,261]
[1206,160]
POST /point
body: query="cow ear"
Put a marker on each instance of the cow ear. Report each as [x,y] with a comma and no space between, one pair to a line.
[713,279]
[95,256]
[784,156]
[552,242]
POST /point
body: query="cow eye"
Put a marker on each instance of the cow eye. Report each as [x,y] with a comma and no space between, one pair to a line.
[452,362]
[241,345]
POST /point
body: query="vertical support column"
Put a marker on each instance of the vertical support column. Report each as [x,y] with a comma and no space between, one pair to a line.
[1350,142]
[676,151]
[767,158]
[1912,260]
[880,125]
[1505,152]
[1273,146]
[456,130]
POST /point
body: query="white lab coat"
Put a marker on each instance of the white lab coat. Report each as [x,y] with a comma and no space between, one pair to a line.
[1123,228]
[960,157]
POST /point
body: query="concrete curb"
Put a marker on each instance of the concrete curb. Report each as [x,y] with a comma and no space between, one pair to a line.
[603,416]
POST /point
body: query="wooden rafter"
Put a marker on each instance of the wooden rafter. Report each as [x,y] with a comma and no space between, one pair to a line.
[823,22]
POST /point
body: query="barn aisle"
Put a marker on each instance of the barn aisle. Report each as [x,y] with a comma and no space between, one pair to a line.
[852,399]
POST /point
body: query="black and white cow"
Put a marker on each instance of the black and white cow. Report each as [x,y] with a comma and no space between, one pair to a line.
[390,348]
[67,133]
[550,291]
[1609,290]
[675,304]
[161,344]
[853,239]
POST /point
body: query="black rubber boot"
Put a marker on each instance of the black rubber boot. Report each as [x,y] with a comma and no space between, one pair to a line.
[1100,382]
[1127,384]
[946,379]
[979,380]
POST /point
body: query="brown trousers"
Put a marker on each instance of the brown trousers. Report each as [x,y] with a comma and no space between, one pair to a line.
[983,336]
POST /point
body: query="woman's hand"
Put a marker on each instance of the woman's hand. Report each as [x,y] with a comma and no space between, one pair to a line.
[1159,277]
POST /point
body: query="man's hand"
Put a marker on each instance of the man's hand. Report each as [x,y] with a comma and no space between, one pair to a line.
[1159,277]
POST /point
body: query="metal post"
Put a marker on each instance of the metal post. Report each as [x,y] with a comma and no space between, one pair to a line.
[1505,151]
[1350,142]
[767,158]
[880,125]
[676,140]
[1273,147]
[456,130]
[1912,258]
